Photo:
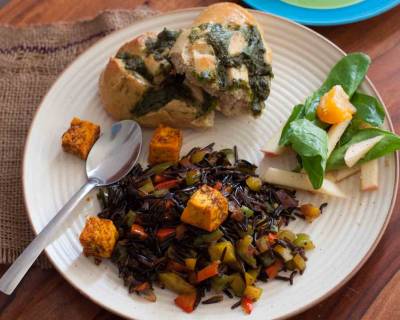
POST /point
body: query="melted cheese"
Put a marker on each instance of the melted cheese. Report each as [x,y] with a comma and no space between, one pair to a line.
[237,44]
[240,74]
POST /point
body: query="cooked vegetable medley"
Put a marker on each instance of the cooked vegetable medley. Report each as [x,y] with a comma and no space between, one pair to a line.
[205,223]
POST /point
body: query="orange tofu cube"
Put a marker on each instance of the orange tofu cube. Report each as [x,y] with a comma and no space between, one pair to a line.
[98,237]
[206,209]
[165,145]
[80,137]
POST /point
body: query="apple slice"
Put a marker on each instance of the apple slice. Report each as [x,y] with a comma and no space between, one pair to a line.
[370,175]
[358,150]
[296,180]
[342,174]
[272,147]
[334,134]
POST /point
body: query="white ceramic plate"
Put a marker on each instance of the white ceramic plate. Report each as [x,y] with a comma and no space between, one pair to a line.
[345,235]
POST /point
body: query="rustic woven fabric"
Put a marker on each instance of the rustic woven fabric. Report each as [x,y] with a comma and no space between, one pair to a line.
[30,60]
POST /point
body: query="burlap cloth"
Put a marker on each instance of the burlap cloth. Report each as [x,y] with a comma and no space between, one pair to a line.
[30,60]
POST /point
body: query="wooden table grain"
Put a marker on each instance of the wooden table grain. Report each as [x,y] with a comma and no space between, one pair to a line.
[373,293]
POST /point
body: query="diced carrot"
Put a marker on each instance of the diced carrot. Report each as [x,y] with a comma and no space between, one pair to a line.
[273,270]
[164,233]
[159,178]
[138,231]
[176,266]
[218,185]
[272,237]
[210,271]
[186,302]
[167,184]
[142,287]
[247,305]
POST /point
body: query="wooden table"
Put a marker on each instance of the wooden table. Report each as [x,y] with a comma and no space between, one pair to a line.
[374,293]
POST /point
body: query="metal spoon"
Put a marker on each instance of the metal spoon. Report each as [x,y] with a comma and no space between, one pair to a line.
[111,158]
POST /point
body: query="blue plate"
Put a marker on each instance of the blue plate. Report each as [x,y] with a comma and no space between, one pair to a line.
[324,17]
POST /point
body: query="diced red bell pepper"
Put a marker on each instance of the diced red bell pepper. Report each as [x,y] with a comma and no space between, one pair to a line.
[247,305]
[186,302]
[272,237]
[159,178]
[164,233]
[167,184]
[138,231]
[273,270]
[210,271]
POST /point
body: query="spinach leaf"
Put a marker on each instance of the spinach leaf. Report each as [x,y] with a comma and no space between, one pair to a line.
[297,113]
[173,88]
[390,143]
[349,72]
[352,129]
[369,109]
[311,144]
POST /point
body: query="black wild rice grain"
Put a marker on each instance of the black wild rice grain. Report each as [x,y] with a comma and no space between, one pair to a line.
[291,277]
[235,305]
[214,299]
[228,293]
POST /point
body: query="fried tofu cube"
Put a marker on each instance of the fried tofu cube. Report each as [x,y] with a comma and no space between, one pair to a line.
[206,209]
[98,237]
[80,137]
[165,145]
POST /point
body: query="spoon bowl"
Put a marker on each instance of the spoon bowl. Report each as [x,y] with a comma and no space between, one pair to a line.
[111,158]
[115,153]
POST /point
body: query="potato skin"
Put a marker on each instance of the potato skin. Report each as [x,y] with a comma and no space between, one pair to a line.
[80,137]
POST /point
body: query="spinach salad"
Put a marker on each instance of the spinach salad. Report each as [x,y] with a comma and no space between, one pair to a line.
[308,136]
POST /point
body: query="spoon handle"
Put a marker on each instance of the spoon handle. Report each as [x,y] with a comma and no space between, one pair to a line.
[20,267]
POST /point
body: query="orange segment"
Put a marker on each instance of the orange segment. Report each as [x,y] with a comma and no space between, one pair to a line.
[335,106]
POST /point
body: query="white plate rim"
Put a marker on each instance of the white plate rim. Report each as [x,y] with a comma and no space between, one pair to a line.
[196,9]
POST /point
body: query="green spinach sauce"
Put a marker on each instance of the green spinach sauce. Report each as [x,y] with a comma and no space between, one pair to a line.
[135,63]
[159,47]
[260,73]
[171,89]
[165,40]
